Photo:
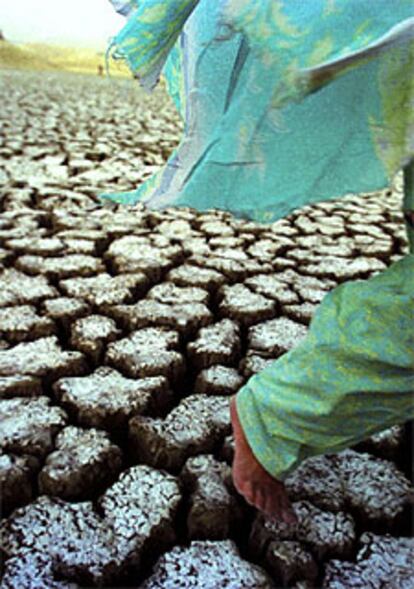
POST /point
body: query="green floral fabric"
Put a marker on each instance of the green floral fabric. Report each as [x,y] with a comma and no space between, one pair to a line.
[351,377]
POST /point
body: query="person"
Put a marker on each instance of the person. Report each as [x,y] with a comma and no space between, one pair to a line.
[287,103]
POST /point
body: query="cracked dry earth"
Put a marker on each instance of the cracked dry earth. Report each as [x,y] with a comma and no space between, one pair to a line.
[124,332]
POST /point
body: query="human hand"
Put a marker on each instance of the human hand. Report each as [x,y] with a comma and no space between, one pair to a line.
[252,481]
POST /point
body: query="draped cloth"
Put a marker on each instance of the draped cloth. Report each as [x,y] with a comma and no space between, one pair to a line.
[284,102]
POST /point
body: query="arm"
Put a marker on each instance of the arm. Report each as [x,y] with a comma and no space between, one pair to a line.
[352,377]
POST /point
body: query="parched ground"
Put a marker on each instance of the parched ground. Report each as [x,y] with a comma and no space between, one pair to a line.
[123,333]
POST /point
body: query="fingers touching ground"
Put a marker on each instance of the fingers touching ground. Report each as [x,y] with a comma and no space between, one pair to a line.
[252,481]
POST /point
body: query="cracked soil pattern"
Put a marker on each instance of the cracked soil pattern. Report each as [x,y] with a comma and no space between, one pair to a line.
[123,334]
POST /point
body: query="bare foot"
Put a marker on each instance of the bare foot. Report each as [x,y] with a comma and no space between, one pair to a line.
[252,481]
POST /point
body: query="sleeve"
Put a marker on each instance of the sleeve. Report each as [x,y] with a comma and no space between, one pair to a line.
[149,36]
[351,377]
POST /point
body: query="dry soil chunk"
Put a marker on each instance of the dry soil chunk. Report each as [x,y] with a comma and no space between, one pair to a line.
[46,246]
[218,380]
[231,254]
[337,250]
[104,289]
[302,313]
[327,534]
[342,269]
[382,561]
[82,463]
[97,236]
[62,267]
[280,264]
[23,323]
[186,319]
[178,229]
[188,275]
[80,246]
[289,562]
[366,229]
[32,570]
[216,344]
[213,228]
[147,352]
[197,246]
[74,542]
[268,249]
[207,565]
[18,288]
[276,337]
[317,480]
[136,254]
[28,426]
[304,224]
[303,283]
[227,243]
[311,295]
[213,510]
[17,475]
[141,509]
[283,227]
[324,533]
[20,386]
[138,512]
[375,489]
[242,305]
[41,358]
[253,363]
[234,270]
[272,287]
[106,399]
[65,310]
[380,248]
[171,294]
[196,426]
[92,333]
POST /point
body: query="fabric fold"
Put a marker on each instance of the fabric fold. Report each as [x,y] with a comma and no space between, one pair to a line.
[149,36]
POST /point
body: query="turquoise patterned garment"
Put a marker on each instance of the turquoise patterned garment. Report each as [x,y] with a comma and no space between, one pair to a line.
[285,102]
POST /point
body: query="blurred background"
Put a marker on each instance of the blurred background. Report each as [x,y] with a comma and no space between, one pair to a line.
[61,35]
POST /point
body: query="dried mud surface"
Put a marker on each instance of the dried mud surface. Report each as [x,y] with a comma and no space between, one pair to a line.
[123,333]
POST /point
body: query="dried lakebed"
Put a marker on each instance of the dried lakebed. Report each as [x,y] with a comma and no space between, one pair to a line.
[124,332]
